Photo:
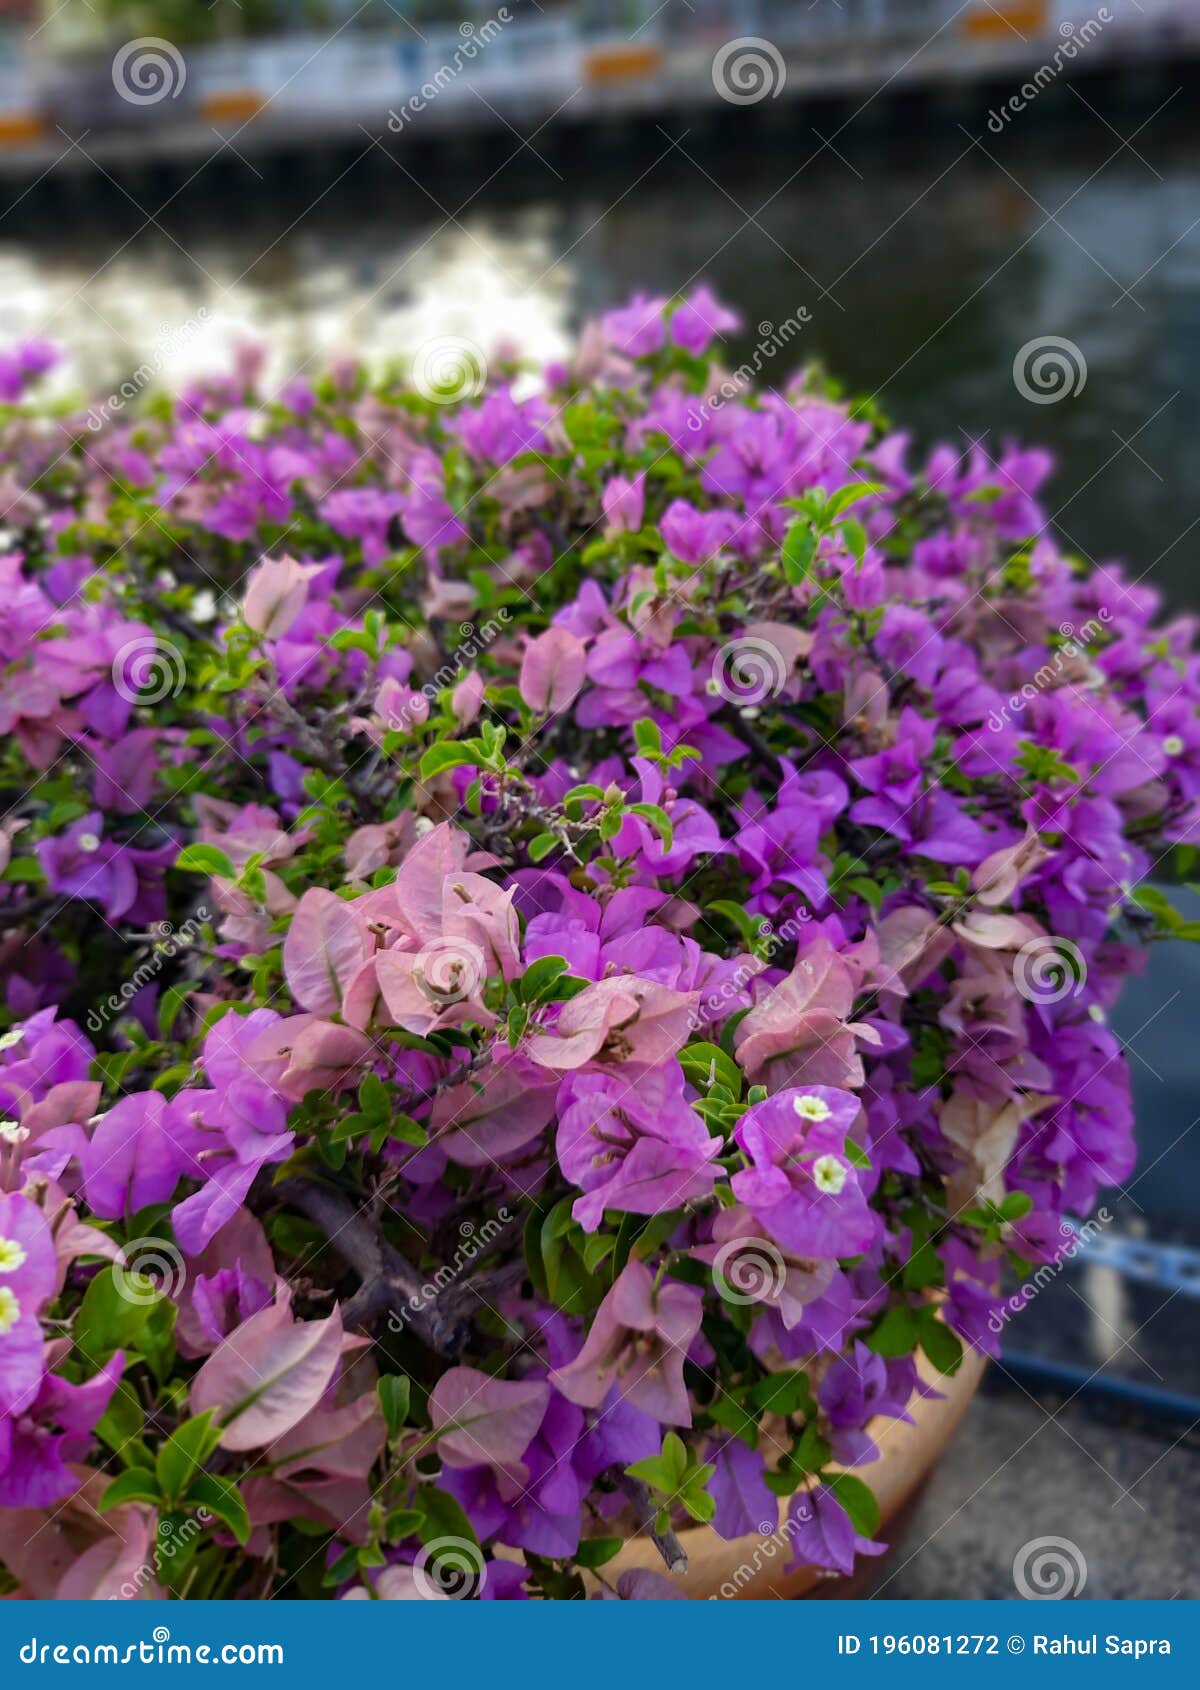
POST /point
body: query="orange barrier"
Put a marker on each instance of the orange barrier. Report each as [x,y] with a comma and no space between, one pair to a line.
[622,64]
[234,105]
[1015,22]
[21,128]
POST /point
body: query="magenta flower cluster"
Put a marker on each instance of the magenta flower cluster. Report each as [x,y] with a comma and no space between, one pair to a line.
[556,948]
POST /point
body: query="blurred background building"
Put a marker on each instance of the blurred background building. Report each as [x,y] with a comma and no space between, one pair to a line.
[312,69]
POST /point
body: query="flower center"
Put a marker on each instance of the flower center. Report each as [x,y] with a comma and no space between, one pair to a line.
[829,1174]
[12,1255]
[10,1310]
[811,1108]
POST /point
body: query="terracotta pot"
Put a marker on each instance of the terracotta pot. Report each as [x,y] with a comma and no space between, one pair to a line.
[752,1568]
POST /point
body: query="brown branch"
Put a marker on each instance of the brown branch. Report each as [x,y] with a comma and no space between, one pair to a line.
[389,1283]
[667,1544]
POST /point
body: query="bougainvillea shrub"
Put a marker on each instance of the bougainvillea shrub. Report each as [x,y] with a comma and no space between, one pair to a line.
[557,944]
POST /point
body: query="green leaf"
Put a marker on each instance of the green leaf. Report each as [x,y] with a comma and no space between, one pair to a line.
[859,1502]
[811,1450]
[186,1450]
[205,859]
[799,549]
[596,1551]
[222,1498]
[446,755]
[943,1347]
[786,1392]
[850,494]
[648,735]
[402,1523]
[658,819]
[855,536]
[121,1424]
[135,1484]
[109,1318]
[923,1269]
[395,1393]
[441,1516]
[707,1065]
[373,1100]
[343,1568]
[896,1334]
[1016,1205]
[170,1004]
[538,979]
[408,1131]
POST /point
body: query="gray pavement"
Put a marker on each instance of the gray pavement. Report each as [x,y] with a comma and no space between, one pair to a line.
[1125,1497]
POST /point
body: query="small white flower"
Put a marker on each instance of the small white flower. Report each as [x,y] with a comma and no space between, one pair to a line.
[809,1107]
[829,1174]
[12,1255]
[89,842]
[10,1310]
[11,1132]
[1096,1012]
[1173,745]
[11,1038]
